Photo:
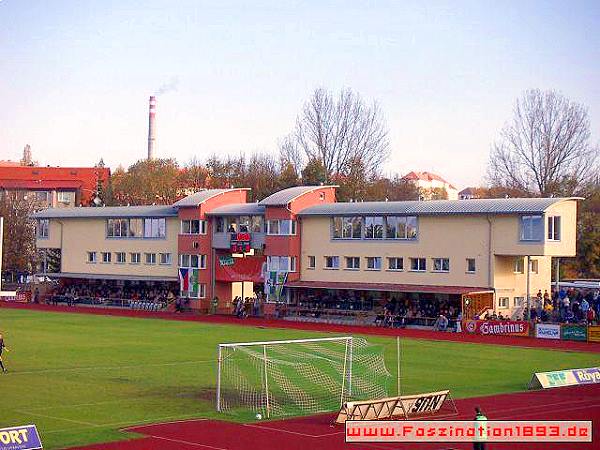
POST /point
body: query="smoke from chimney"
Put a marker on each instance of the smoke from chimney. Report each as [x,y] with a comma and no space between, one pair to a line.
[151,127]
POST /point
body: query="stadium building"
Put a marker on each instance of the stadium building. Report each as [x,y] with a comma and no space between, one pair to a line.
[318,256]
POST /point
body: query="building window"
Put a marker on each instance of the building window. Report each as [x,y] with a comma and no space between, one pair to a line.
[91,257]
[281,263]
[418,264]
[164,258]
[66,197]
[135,258]
[43,226]
[533,265]
[373,263]
[471,267]
[150,258]
[503,302]
[257,224]
[193,227]
[554,228]
[106,257]
[441,265]
[352,262]
[531,228]
[155,228]
[401,227]
[120,256]
[519,301]
[282,227]
[42,197]
[136,228]
[395,263]
[519,265]
[312,262]
[373,227]
[332,262]
[219,225]
[192,261]
[347,227]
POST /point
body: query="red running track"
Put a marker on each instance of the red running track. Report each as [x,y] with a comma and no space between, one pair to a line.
[315,433]
[515,341]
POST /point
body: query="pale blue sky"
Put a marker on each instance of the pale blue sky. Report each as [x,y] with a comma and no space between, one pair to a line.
[75,76]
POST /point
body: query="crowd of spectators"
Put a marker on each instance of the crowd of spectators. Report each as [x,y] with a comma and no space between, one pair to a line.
[566,306]
[100,292]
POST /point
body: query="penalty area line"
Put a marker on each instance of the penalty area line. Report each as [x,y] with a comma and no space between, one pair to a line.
[179,441]
[137,366]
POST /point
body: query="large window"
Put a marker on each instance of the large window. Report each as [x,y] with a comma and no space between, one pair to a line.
[352,262]
[193,227]
[332,262]
[554,228]
[418,264]
[531,228]
[347,227]
[396,263]
[154,228]
[136,228]
[401,227]
[373,227]
[519,265]
[441,264]
[43,226]
[283,227]
[281,263]
[66,197]
[192,261]
[373,263]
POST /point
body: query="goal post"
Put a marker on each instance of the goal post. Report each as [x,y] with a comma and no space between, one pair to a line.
[297,377]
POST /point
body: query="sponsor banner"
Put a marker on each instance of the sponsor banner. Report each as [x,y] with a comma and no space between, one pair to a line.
[469,431]
[496,327]
[547,331]
[572,332]
[560,378]
[594,333]
[226,260]
[386,408]
[25,437]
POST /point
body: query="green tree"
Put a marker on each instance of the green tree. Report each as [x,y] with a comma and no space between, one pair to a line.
[314,173]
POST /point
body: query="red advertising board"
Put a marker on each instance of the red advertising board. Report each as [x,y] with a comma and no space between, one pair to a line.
[496,327]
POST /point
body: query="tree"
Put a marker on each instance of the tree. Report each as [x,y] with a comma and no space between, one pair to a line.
[546,148]
[261,176]
[19,253]
[337,131]
[146,182]
[314,173]
[194,176]
[392,189]
[288,176]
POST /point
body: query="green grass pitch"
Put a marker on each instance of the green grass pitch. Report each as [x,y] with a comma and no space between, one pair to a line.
[80,378]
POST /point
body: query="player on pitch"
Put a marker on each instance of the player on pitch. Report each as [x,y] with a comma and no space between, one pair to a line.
[2,347]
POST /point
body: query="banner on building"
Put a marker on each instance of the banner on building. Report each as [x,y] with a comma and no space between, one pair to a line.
[226,260]
[572,332]
[496,327]
[560,378]
[547,331]
[593,333]
[20,438]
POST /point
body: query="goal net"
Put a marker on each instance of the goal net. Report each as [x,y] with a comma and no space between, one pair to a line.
[298,377]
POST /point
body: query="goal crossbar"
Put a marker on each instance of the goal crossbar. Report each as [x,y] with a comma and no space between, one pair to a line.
[289,341]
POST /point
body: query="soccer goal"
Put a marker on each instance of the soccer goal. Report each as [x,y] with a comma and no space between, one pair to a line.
[298,377]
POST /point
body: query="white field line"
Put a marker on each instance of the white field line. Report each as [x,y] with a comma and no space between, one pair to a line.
[137,366]
[79,422]
[297,433]
[128,424]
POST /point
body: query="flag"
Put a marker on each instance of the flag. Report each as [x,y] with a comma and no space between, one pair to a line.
[184,279]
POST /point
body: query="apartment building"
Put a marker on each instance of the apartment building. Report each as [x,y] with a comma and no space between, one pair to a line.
[300,243]
[53,187]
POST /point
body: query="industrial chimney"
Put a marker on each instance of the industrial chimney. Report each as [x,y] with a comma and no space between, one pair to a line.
[151,127]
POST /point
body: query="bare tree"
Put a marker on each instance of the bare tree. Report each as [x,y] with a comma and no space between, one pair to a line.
[546,148]
[338,131]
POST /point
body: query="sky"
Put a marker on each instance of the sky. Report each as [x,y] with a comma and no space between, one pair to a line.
[75,76]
